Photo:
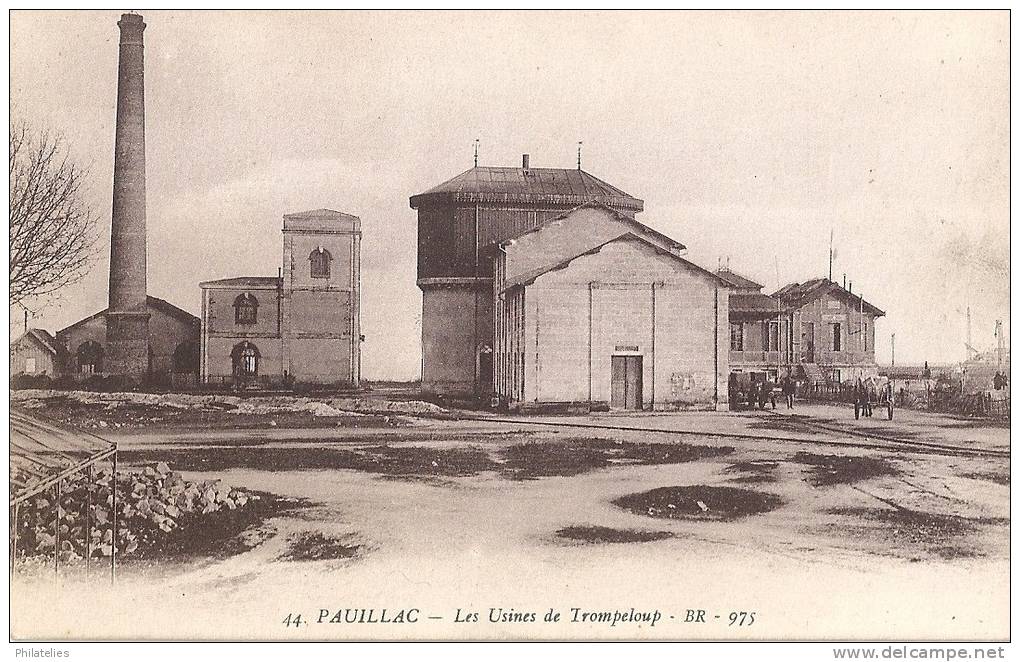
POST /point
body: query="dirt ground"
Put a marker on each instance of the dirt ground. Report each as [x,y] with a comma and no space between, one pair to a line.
[823,533]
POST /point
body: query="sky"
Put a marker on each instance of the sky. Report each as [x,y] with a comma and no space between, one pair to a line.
[751,136]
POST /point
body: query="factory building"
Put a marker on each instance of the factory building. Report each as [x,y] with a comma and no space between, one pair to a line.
[138,338]
[594,307]
[459,223]
[301,327]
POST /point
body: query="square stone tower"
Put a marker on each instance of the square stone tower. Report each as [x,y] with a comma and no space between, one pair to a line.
[320,316]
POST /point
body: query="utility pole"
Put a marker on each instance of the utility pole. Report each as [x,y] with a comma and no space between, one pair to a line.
[998,336]
[830,253]
[970,343]
[893,345]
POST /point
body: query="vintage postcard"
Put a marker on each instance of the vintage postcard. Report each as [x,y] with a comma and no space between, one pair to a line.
[518,325]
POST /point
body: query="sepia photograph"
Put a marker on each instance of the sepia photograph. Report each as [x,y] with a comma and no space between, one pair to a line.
[478,325]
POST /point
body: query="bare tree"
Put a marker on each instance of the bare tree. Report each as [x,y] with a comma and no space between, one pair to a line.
[52,226]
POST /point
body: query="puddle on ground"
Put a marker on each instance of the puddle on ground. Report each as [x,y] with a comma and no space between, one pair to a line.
[754,471]
[572,456]
[843,469]
[605,534]
[414,460]
[699,502]
[912,533]
[991,476]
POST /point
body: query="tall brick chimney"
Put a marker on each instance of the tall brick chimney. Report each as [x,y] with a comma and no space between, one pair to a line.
[127,321]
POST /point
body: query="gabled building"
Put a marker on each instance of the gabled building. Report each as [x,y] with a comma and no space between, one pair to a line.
[171,342]
[35,352]
[834,330]
[594,308]
[816,331]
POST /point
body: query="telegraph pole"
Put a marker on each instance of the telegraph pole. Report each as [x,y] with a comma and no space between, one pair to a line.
[998,336]
[893,345]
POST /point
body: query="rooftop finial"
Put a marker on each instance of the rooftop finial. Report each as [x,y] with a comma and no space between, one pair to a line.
[476,152]
[579,143]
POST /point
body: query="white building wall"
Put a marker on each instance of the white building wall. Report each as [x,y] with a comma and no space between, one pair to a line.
[626,298]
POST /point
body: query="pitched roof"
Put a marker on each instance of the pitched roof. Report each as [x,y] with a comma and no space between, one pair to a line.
[150,302]
[244,281]
[736,280]
[41,336]
[559,186]
[753,302]
[172,310]
[798,294]
[637,226]
[529,277]
[322,213]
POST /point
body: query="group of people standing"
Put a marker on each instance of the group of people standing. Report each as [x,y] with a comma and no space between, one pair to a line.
[763,392]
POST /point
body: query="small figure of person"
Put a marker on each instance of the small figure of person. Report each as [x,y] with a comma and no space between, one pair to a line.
[997,381]
[789,390]
[766,394]
[862,398]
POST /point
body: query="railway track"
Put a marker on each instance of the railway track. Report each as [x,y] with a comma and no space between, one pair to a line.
[887,442]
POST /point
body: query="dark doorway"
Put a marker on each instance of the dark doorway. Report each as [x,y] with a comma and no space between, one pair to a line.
[809,342]
[627,371]
[90,358]
[245,359]
[185,358]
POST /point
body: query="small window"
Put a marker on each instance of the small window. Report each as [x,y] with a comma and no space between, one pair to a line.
[246,309]
[837,339]
[770,338]
[30,365]
[736,337]
[319,260]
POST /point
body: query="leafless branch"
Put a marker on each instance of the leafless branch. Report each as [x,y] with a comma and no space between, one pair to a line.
[52,235]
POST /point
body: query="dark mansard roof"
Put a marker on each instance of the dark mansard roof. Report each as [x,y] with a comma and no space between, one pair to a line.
[558,186]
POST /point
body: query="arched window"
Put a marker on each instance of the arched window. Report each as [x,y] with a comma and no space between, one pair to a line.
[319,260]
[90,357]
[246,309]
[245,359]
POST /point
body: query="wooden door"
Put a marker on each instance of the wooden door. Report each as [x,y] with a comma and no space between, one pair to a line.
[627,382]
[634,382]
[809,342]
[619,394]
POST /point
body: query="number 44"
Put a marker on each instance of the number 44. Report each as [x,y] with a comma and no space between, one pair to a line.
[293,619]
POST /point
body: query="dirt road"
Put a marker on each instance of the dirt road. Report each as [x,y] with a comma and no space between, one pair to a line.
[820,534]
